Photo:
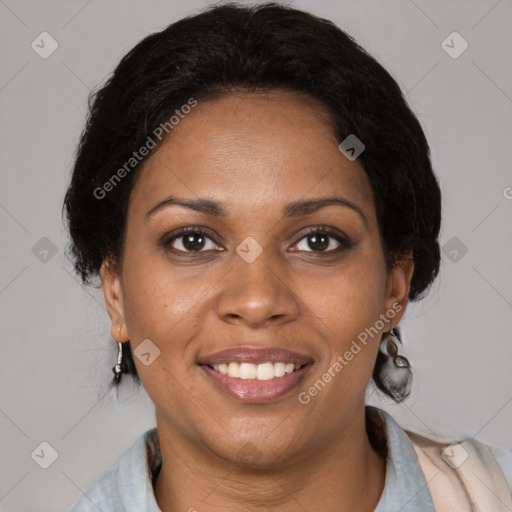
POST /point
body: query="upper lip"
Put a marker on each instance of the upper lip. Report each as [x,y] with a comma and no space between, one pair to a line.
[255,356]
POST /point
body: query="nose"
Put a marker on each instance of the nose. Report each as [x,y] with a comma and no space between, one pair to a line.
[256,294]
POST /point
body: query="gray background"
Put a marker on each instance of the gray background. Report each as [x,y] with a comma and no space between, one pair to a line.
[57,353]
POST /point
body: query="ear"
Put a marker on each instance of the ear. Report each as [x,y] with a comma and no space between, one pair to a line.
[398,285]
[113,292]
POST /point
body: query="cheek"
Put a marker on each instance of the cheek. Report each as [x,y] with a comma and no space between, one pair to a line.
[347,309]
[351,296]
[154,300]
[155,307]
[167,310]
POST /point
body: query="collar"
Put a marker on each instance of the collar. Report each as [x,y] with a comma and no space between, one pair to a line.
[405,487]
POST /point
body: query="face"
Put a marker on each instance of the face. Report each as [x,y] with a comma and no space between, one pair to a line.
[251,239]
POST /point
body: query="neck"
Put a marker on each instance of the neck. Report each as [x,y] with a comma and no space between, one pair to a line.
[347,475]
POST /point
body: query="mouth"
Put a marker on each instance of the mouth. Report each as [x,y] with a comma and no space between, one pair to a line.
[256,375]
[262,371]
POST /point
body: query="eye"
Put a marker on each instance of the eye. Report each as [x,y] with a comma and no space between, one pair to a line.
[190,240]
[323,241]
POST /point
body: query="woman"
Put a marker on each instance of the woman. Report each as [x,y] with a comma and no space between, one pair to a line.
[259,202]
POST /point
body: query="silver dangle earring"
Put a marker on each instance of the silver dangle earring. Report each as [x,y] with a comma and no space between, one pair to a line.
[392,373]
[117,369]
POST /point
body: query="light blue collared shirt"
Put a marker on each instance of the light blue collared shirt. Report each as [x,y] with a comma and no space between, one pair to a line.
[127,487]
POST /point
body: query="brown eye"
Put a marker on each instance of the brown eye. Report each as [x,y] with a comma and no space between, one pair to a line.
[193,241]
[318,242]
[323,241]
[190,241]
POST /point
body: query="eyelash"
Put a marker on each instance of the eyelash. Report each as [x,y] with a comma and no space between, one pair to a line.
[344,243]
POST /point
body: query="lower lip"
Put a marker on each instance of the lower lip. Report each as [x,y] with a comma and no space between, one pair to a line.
[257,391]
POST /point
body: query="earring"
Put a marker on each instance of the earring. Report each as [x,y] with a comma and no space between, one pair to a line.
[118,369]
[392,372]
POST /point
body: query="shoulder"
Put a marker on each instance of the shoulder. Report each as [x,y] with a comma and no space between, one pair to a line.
[455,454]
[504,457]
[103,494]
[480,472]
[459,475]
[125,487]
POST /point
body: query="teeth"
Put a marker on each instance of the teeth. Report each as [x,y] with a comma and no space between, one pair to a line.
[247,371]
[263,371]
[234,370]
[279,369]
[266,371]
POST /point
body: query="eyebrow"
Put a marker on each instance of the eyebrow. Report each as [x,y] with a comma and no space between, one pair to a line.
[202,205]
[294,209]
[308,206]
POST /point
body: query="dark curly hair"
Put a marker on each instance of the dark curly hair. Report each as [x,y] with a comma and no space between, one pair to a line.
[253,49]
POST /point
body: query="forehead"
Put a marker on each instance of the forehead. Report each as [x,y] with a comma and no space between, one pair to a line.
[251,149]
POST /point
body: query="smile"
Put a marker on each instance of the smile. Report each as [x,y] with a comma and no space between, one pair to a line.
[263,371]
[256,375]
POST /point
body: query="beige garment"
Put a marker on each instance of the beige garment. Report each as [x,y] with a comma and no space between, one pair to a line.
[462,477]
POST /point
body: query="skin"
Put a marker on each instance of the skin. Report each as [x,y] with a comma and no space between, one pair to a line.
[253,154]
